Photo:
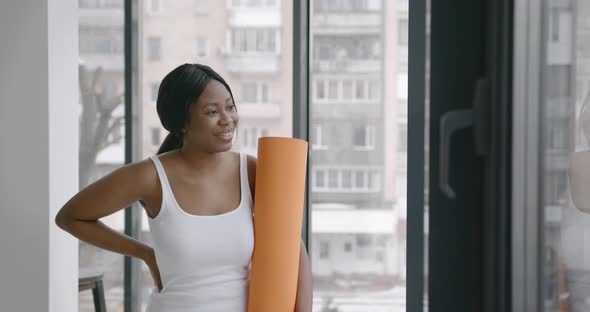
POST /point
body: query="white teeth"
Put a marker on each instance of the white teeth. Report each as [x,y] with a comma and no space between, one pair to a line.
[226,134]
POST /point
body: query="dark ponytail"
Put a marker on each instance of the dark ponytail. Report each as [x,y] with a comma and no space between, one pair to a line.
[178,91]
[171,142]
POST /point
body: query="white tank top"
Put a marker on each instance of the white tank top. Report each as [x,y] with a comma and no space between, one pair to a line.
[204,261]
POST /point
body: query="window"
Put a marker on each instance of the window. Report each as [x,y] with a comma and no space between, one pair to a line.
[254,4]
[95,4]
[355,47]
[332,89]
[332,178]
[325,6]
[359,89]
[254,40]
[242,41]
[154,46]
[156,136]
[104,40]
[364,240]
[347,91]
[153,6]
[201,47]
[346,179]
[255,92]
[101,44]
[324,250]
[319,179]
[361,180]
[348,105]
[201,7]
[320,91]
[251,136]
[318,138]
[154,87]
[364,138]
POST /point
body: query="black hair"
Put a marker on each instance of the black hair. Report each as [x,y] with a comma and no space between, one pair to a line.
[178,91]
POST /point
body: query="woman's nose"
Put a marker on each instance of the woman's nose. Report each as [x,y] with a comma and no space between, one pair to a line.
[225,119]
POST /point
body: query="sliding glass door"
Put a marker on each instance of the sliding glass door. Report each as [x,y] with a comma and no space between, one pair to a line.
[552,211]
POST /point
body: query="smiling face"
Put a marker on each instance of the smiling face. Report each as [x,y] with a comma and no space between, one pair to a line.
[213,119]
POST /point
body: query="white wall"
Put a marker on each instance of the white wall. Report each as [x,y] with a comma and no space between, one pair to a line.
[38,153]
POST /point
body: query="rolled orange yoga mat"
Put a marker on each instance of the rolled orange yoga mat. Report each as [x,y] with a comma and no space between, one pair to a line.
[278,215]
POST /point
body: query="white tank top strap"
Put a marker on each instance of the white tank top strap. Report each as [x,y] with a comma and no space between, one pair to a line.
[244,182]
[165,185]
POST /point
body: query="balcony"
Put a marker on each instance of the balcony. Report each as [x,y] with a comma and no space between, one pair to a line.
[346,23]
[252,63]
[254,17]
[347,66]
[104,16]
[259,111]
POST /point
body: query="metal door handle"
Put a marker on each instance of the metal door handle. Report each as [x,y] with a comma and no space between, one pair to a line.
[478,117]
[449,123]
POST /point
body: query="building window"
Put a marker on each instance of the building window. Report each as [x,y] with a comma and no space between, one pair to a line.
[201,7]
[347,5]
[256,92]
[154,46]
[338,48]
[362,180]
[359,179]
[320,92]
[254,40]
[156,136]
[254,3]
[359,90]
[200,47]
[105,40]
[333,178]
[364,138]
[251,135]
[154,87]
[319,179]
[153,6]
[324,250]
[347,247]
[364,240]
[346,179]
[346,91]
[318,139]
[333,90]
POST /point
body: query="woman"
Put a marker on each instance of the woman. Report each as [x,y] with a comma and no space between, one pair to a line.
[202,243]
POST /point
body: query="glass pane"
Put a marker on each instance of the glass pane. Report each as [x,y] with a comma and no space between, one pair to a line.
[358,215]
[249,43]
[101,111]
[566,170]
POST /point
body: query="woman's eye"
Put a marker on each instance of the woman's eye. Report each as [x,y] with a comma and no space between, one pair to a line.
[231,108]
[211,113]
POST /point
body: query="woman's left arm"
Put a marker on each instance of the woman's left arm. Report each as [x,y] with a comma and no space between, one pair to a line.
[303,302]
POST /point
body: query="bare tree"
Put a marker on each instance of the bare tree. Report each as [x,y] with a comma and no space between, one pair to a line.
[98,127]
